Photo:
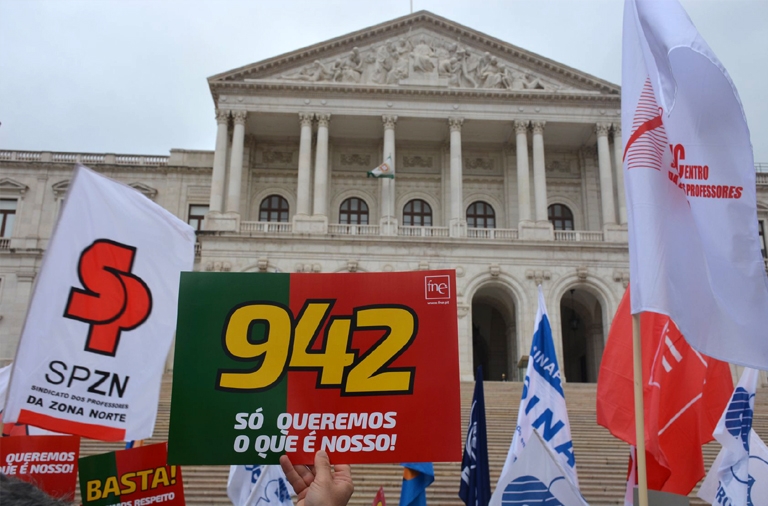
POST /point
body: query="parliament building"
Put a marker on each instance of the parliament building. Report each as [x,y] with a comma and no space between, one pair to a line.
[508,170]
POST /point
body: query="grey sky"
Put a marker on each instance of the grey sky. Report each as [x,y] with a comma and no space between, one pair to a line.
[129,76]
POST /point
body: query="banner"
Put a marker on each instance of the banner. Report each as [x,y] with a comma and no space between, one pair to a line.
[102,315]
[694,246]
[756,487]
[49,462]
[259,485]
[536,477]
[684,393]
[475,486]
[362,365]
[134,477]
[542,406]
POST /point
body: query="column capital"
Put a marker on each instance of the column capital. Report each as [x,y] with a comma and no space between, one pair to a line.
[521,126]
[222,115]
[323,119]
[455,123]
[305,118]
[538,126]
[601,129]
[389,122]
[239,117]
[616,130]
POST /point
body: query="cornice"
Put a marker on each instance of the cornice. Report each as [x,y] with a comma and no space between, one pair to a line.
[105,168]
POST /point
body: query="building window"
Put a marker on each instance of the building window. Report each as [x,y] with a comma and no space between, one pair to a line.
[353,211]
[197,216]
[274,208]
[481,215]
[7,216]
[560,216]
[417,213]
[761,230]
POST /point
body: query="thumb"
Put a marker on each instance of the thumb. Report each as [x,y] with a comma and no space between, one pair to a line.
[322,466]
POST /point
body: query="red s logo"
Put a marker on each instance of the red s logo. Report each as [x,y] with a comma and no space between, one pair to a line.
[113,299]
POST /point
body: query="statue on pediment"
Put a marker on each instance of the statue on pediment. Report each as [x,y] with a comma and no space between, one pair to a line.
[420,59]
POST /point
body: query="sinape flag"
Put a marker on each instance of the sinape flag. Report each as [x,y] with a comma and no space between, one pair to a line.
[690,185]
[102,315]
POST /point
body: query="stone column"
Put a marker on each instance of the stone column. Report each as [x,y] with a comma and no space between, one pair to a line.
[618,154]
[305,159]
[216,203]
[458,221]
[523,185]
[388,222]
[606,178]
[321,167]
[539,172]
[236,163]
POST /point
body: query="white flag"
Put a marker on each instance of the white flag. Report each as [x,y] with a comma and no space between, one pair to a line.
[536,477]
[690,185]
[731,476]
[386,169]
[102,315]
[259,486]
[542,406]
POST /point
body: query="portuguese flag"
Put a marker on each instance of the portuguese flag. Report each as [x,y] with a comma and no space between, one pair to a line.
[362,365]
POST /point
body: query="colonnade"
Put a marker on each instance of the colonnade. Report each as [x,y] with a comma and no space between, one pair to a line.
[311,204]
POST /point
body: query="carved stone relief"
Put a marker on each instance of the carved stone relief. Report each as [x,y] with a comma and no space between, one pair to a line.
[355,159]
[420,59]
[418,161]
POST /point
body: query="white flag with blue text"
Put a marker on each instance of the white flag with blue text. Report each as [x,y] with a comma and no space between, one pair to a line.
[259,486]
[542,406]
[740,472]
[536,477]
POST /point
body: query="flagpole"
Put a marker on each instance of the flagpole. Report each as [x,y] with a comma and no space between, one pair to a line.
[637,354]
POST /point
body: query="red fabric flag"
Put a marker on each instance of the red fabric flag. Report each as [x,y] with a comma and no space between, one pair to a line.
[684,393]
[379,499]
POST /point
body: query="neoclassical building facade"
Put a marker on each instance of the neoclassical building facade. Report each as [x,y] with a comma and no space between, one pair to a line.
[508,170]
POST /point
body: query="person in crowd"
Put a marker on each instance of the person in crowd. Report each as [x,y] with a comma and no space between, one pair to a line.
[320,485]
[14,492]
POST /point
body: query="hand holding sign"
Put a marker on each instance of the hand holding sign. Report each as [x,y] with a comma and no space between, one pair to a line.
[324,486]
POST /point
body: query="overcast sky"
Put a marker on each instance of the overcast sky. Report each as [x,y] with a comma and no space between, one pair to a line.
[129,76]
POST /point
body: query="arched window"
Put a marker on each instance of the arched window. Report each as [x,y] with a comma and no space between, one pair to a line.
[417,213]
[353,211]
[274,208]
[481,215]
[560,216]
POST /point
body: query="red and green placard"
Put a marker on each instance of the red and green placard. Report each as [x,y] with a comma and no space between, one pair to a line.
[134,477]
[50,462]
[362,365]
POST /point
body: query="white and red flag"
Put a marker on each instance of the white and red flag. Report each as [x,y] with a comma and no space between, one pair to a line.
[684,393]
[690,183]
[102,315]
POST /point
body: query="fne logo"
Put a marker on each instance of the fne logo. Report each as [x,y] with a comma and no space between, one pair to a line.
[437,287]
[113,299]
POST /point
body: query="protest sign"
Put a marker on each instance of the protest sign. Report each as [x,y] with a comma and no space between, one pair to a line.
[50,462]
[135,477]
[362,365]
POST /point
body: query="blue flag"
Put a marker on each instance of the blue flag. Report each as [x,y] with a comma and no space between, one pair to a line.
[417,476]
[475,488]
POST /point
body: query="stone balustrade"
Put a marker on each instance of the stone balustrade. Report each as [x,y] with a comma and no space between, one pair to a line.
[84,158]
[5,243]
[578,236]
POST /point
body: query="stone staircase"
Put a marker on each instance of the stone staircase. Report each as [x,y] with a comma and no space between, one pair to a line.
[601,459]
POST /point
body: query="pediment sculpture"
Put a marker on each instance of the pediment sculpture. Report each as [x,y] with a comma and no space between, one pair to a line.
[420,60]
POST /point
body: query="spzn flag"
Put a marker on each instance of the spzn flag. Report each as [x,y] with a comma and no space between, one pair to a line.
[102,316]
[735,466]
[690,184]
[542,406]
[536,478]
[258,485]
[711,489]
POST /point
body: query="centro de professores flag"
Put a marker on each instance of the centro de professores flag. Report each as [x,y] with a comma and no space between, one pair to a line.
[684,393]
[102,315]
[690,185]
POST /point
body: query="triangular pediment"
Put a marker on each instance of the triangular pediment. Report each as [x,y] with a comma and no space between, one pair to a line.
[148,191]
[60,188]
[418,51]
[8,185]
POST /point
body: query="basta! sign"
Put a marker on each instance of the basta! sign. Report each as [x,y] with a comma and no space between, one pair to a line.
[135,477]
[49,462]
[362,365]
